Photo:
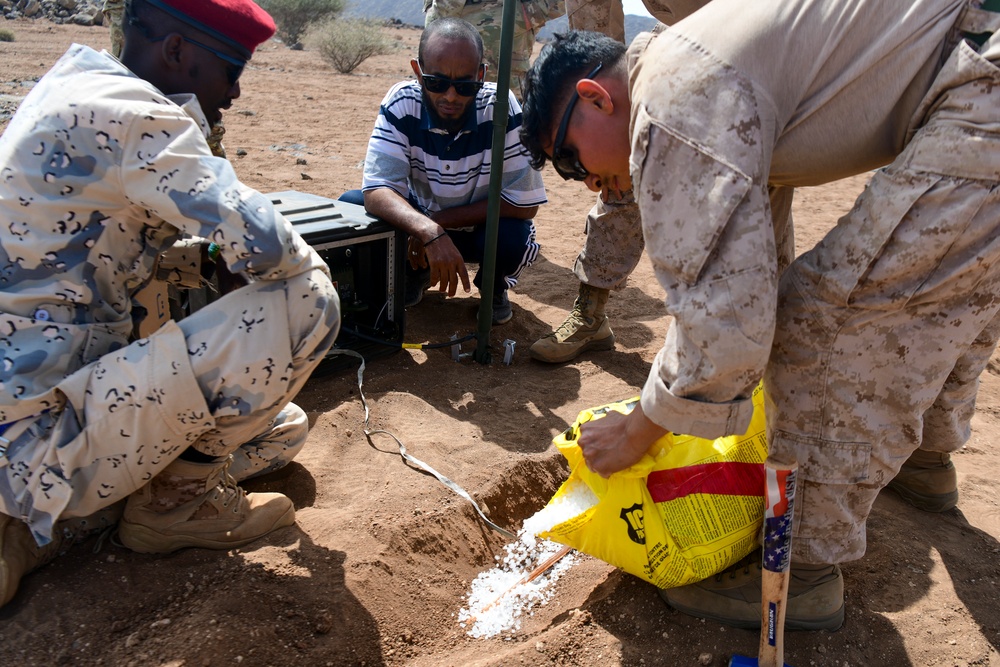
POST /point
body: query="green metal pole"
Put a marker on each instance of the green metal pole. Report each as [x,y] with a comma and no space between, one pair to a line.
[500,110]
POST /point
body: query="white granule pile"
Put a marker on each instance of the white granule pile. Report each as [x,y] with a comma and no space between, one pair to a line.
[500,596]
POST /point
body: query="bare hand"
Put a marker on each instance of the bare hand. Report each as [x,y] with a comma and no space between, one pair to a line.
[447,265]
[616,441]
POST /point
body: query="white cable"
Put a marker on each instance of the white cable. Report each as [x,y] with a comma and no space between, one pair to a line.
[407,457]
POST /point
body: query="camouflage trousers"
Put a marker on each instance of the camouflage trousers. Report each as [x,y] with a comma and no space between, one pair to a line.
[114,12]
[885,326]
[603,16]
[613,243]
[608,16]
[487,17]
[220,381]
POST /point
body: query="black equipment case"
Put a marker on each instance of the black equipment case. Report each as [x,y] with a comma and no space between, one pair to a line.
[365,256]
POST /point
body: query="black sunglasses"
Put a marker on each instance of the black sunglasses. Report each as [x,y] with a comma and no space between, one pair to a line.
[439,84]
[565,160]
[236,65]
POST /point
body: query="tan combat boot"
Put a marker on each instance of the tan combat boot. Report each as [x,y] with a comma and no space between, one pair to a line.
[199,505]
[585,328]
[733,596]
[927,481]
[20,554]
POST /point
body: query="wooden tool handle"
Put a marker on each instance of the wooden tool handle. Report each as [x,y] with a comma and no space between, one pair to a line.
[779,505]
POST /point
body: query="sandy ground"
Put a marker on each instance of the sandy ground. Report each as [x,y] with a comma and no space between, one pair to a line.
[382,557]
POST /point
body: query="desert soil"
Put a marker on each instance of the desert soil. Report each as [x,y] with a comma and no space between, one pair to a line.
[382,556]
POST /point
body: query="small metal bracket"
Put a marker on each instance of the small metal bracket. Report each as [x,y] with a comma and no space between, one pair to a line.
[456,349]
[508,351]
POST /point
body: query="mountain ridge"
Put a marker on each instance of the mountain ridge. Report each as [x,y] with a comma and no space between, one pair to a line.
[411,12]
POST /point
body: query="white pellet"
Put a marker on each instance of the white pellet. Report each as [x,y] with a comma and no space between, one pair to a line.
[496,601]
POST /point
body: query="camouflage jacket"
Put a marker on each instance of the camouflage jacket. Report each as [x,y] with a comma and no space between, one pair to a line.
[792,96]
[99,173]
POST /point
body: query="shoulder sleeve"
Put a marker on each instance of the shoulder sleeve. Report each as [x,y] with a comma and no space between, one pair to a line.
[387,162]
[709,237]
[168,169]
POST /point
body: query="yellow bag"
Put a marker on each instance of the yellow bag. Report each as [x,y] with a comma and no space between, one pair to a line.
[688,509]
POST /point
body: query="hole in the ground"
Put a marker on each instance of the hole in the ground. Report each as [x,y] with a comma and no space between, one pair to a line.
[521,490]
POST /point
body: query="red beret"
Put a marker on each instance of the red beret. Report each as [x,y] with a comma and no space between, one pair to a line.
[241,24]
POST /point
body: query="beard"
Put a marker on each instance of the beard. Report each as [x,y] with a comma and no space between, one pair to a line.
[449,125]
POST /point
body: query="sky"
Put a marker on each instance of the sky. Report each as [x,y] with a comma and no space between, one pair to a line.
[635,7]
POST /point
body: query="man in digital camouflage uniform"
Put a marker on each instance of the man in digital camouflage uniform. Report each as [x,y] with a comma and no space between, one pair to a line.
[870,344]
[103,166]
[487,17]
[614,244]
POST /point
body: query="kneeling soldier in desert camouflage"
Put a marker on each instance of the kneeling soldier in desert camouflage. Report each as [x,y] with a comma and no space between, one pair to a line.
[104,165]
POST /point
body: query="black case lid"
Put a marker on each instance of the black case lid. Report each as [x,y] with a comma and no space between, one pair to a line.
[321,220]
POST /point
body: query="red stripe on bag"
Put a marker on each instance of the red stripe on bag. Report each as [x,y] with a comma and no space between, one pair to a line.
[724,479]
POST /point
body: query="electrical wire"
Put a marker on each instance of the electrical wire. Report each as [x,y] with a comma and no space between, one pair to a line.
[405,346]
[408,457]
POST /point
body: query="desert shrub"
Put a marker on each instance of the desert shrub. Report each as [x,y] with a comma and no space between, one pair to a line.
[6,35]
[293,17]
[346,43]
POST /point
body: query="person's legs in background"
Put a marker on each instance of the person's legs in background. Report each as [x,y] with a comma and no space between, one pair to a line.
[603,16]
[927,479]
[612,248]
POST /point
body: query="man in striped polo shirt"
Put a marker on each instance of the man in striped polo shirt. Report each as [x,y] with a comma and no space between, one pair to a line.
[427,171]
